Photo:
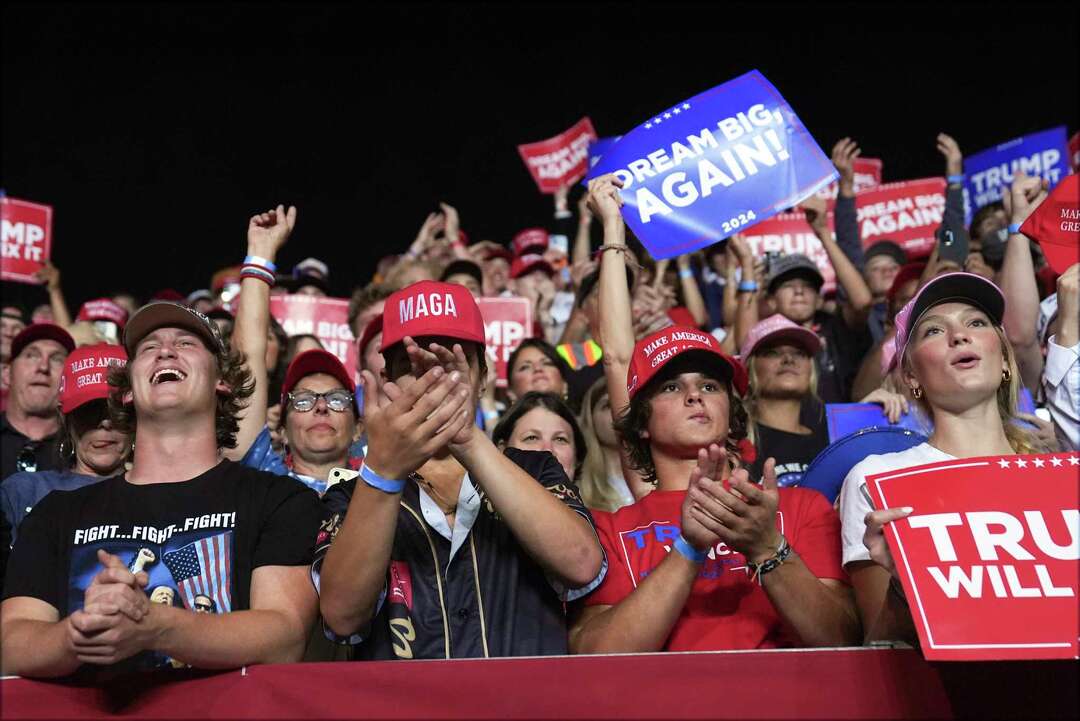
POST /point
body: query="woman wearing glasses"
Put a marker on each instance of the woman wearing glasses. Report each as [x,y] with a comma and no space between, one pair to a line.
[90,448]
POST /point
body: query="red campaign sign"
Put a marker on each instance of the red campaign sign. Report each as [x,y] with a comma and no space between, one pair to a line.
[789,233]
[561,160]
[1074,152]
[325,318]
[988,558]
[507,322]
[26,232]
[908,213]
[867,175]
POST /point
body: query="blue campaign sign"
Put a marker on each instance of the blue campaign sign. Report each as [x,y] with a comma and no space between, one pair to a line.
[713,165]
[597,148]
[846,418]
[991,171]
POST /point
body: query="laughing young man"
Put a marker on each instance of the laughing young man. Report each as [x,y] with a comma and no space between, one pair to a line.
[75,594]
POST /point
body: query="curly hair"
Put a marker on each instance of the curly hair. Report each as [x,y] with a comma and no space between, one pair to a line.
[232,370]
[630,424]
[362,299]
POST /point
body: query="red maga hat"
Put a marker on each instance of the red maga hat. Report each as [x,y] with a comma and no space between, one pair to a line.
[1055,224]
[314,361]
[655,351]
[86,374]
[525,264]
[431,308]
[103,309]
[530,240]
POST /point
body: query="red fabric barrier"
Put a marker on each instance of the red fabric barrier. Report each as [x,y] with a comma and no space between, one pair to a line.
[836,684]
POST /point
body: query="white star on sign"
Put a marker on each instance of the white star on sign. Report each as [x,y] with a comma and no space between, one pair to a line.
[657,120]
[1021,463]
[1039,463]
[676,111]
[686,106]
[1003,463]
[1074,461]
[648,125]
[1055,462]
[667,116]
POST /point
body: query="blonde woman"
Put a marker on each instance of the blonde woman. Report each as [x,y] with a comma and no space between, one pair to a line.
[602,484]
[952,356]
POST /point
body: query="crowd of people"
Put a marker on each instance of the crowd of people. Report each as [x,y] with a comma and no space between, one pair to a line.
[186,485]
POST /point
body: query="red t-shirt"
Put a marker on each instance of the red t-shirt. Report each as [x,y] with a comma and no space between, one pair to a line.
[726,610]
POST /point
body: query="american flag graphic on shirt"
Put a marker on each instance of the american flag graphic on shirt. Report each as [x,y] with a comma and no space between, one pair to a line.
[204,568]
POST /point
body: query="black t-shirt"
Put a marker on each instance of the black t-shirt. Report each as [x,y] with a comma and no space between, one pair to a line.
[838,362]
[14,444]
[201,539]
[793,452]
[490,599]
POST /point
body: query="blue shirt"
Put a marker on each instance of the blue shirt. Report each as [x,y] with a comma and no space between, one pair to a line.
[262,457]
[20,492]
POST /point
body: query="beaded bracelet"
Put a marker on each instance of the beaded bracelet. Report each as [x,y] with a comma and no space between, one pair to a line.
[757,570]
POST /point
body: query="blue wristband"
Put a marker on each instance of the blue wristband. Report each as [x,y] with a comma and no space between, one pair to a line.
[955,179]
[1014,228]
[686,273]
[688,551]
[261,262]
[748,286]
[374,480]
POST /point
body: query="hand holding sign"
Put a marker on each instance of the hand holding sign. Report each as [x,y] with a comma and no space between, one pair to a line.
[874,536]
[604,200]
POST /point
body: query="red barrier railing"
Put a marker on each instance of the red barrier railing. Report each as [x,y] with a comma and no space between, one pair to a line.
[863,683]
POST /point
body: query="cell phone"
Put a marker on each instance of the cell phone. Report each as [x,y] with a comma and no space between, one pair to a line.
[771,257]
[952,244]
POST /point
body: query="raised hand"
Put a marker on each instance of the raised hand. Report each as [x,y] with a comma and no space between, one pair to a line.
[874,536]
[408,425]
[604,199]
[954,159]
[815,209]
[49,276]
[843,157]
[268,231]
[451,222]
[1024,196]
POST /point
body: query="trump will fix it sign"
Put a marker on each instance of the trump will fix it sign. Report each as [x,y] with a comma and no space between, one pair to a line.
[26,234]
[989,556]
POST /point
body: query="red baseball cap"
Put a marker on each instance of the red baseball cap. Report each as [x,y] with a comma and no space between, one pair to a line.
[777,327]
[948,288]
[534,240]
[429,307]
[41,331]
[103,309]
[655,351]
[86,374]
[907,272]
[372,329]
[525,264]
[313,361]
[1055,224]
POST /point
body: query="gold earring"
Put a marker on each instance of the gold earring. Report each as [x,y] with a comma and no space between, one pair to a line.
[916,392]
[1006,374]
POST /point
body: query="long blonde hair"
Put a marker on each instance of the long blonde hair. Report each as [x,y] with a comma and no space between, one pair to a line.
[1023,442]
[593,483]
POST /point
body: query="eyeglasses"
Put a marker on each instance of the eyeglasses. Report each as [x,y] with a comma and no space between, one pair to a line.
[336,400]
[27,458]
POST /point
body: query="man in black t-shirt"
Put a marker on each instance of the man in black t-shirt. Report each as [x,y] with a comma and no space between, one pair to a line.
[444,547]
[217,536]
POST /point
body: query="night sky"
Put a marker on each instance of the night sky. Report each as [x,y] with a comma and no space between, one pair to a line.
[156,131]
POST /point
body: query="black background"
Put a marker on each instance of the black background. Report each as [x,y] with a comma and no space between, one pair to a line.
[155,131]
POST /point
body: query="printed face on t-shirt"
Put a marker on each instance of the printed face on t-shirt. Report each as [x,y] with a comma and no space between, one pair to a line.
[172,369]
[689,411]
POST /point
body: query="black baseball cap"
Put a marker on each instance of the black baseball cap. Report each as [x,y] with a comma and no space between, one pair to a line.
[795,265]
[163,314]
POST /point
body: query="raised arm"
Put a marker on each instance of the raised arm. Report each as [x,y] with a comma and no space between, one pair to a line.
[691,292]
[582,242]
[857,293]
[267,232]
[845,217]
[1017,279]
[748,291]
[50,276]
